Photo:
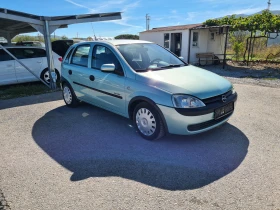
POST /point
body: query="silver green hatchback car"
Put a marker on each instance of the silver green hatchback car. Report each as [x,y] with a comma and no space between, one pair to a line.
[148,84]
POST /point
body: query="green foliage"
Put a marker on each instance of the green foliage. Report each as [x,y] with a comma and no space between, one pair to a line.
[21,38]
[127,36]
[238,48]
[64,37]
[265,22]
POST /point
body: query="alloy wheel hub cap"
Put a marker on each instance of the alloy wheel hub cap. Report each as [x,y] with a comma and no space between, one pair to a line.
[146,122]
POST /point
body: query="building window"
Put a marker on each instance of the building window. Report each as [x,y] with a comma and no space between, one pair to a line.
[212,36]
[166,41]
[195,39]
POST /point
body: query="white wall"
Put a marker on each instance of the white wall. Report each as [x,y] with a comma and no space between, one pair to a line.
[204,43]
[158,38]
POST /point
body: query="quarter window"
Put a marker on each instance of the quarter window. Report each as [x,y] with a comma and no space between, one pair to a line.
[68,55]
[102,55]
[195,39]
[5,56]
[80,56]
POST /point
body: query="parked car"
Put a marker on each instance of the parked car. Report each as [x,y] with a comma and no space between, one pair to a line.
[148,84]
[60,47]
[12,72]
[30,44]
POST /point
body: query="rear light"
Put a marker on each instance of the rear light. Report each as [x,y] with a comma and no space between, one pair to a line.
[60,59]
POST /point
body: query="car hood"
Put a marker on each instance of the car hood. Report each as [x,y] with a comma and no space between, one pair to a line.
[189,80]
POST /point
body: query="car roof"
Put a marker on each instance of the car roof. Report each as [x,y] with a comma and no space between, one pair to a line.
[16,46]
[118,41]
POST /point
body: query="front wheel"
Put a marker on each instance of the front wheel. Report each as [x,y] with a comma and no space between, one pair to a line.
[69,96]
[148,121]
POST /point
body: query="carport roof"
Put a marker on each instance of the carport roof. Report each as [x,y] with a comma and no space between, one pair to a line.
[15,22]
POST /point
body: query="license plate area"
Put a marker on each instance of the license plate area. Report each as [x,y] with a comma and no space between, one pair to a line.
[224,110]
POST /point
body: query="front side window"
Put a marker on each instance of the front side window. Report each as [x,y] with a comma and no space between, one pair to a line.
[80,56]
[195,39]
[147,56]
[166,41]
[102,55]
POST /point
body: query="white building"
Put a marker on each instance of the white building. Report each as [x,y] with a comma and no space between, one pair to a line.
[188,40]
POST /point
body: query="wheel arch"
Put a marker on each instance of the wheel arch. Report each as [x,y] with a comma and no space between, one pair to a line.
[138,99]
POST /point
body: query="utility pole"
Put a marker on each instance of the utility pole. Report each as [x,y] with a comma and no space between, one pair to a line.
[268,5]
[148,22]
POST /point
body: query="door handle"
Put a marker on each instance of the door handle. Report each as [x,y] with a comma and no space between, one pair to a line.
[91,77]
[70,72]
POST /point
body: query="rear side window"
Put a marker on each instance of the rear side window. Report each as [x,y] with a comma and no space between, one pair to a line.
[80,56]
[5,56]
[26,53]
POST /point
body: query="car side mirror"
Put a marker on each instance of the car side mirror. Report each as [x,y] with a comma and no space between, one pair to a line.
[108,67]
[182,58]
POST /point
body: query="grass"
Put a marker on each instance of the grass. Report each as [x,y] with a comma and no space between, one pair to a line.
[22,90]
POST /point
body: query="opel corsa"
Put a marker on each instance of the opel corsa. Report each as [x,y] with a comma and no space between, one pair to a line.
[148,84]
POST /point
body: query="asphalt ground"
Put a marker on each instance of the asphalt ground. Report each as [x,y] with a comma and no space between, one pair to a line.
[55,157]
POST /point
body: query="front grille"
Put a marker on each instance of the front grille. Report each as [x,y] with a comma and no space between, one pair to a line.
[207,124]
[216,98]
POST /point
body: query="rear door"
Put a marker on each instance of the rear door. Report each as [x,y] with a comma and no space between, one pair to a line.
[7,69]
[74,67]
[32,58]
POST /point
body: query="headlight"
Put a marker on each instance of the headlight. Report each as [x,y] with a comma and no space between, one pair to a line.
[185,101]
[233,90]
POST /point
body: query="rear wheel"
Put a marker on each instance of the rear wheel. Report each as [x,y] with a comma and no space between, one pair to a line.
[148,121]
[69,96]
[45,75]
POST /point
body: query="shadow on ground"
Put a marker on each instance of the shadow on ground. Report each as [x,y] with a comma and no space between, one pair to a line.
[35,99]
[92,142]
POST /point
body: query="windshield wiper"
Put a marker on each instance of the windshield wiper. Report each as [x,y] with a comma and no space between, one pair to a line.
[172,65]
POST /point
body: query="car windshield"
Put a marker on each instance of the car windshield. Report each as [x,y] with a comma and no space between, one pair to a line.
[148,56]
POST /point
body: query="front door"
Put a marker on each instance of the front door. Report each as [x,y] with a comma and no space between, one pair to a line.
[108,87]
[176,43]
[7,69]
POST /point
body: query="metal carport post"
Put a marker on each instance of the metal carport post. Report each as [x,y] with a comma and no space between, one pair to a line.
[13,23]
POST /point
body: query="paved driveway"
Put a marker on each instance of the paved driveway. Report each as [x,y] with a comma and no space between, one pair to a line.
[55,157]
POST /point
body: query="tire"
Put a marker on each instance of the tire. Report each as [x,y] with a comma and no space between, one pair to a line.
[46,77]
[148,122]
[69,96]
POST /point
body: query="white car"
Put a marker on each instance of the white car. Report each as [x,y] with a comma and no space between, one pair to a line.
[12,72]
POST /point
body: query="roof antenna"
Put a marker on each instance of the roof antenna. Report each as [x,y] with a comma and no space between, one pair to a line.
[93,32]
[268,5]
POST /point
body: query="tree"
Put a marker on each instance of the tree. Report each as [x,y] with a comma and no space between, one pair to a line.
[127,36]
[264,22]
[64,37]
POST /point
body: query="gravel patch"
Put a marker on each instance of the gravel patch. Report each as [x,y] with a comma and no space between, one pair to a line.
[3,203]
[262,75]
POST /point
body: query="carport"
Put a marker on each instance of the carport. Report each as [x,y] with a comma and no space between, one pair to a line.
[13,23]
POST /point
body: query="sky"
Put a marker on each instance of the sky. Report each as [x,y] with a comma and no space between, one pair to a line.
[161,12]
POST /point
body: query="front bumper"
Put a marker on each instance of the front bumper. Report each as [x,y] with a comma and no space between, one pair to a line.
[186,122]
